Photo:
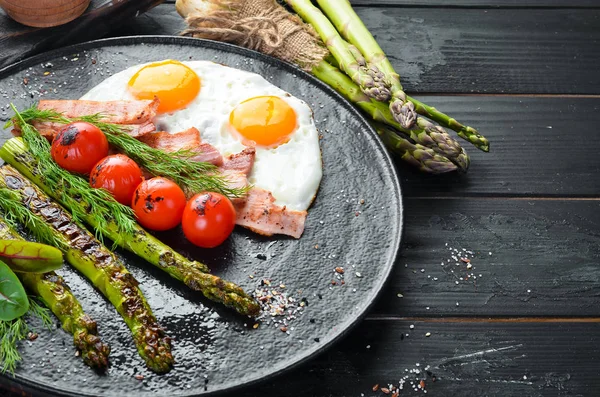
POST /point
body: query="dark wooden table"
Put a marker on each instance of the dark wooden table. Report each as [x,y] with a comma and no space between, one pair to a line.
[527,323]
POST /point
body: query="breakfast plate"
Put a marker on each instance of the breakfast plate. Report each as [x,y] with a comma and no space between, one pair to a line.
[325,281]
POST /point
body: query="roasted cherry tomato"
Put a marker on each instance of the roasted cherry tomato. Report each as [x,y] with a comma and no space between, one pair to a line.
[208,219]
[158,204]
[118,174]
[78,146]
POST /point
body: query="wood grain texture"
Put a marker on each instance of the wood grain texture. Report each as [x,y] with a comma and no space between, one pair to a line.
[465,359]
[544,262]
[539,147]
[44,13]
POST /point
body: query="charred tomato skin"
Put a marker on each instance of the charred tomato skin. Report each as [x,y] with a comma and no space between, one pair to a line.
[208,219]
[158,204]
[78,147]
[118,174]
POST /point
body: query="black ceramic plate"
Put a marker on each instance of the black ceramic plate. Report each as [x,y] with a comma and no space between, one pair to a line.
[216,350]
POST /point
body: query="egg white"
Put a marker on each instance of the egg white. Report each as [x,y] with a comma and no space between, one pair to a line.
[291,172]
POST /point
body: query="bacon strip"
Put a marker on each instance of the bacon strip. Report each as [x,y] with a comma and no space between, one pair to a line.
[116,112]
[242,161]
[49,129]
[259,213]
[187,140]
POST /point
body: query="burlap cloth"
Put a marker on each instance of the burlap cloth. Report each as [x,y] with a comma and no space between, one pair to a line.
[261,25]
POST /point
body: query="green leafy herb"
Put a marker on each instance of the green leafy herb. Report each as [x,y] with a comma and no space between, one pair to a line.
[74,189]
[11,332]
[193,176]
[28,257]
[13,298]
[16,213]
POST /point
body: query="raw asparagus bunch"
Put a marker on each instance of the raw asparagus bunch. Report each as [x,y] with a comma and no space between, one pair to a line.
[423,158]
[349,25]
[97,264]
[402,110]
[57,296]
[427,135]
[192,273]
[367,76]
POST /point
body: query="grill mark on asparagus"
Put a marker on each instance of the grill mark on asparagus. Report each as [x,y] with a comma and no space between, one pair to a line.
[150,338]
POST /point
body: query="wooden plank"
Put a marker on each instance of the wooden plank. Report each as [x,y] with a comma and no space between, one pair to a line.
[496,50]
[539,146]
[479,359]
[479,50]
[466,359]
[545,259]
[476,3]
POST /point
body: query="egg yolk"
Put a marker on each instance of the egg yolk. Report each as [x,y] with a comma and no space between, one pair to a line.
[264,121]
[175,84]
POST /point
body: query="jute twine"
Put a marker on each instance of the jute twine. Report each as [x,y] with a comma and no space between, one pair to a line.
[260,25]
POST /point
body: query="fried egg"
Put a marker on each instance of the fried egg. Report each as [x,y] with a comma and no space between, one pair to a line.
[232,109]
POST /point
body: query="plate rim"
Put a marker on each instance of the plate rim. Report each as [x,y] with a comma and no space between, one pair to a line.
[397,227]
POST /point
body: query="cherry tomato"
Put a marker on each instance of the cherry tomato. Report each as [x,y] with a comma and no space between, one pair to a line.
[78,146]
[118,174]
[158,204]
[208,219]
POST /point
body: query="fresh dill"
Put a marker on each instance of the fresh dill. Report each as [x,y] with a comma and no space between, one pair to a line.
[72,190]
[192,176]
[14,331]
[11,333]
[15,212]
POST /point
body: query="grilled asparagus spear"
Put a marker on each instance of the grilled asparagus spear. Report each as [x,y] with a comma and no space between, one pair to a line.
[192,273]
[100,266]
[56,295]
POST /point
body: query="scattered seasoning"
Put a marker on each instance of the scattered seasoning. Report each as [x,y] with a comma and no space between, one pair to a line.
[46,73]
[357,274]
[278,308]
[362,201]
[139,377]
[465,260]
[339,270]
[32,336]
[385,390]
[255,326]
[412,326]
[428,334]
[399,295]
[376,387]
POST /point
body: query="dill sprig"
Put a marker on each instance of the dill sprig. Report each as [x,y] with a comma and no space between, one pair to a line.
[15,213]
[41,312]
[192,176]
[14,331]
[11,332]
[73,189]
